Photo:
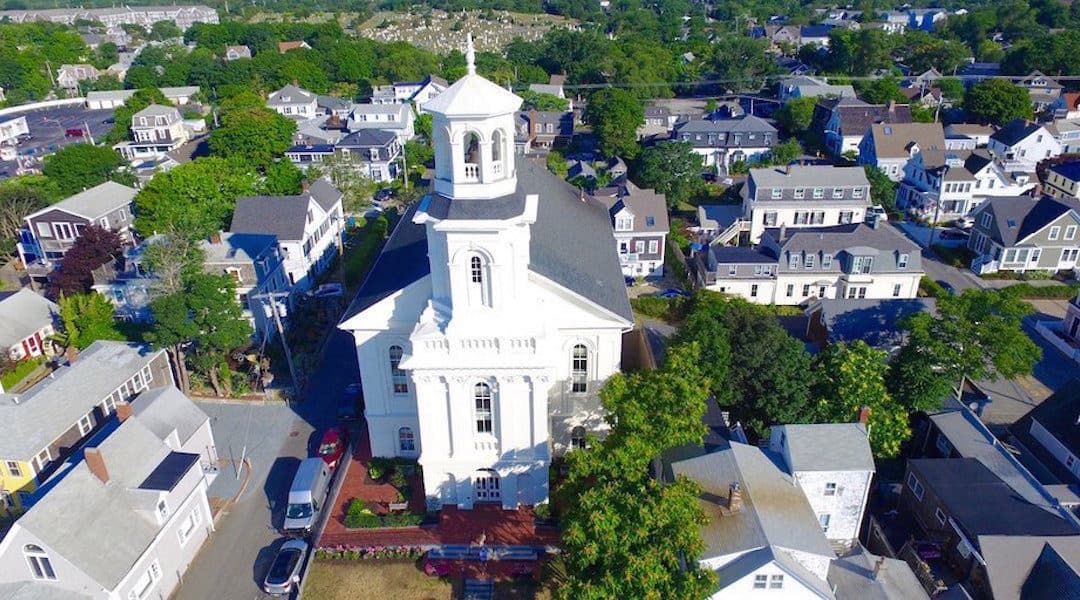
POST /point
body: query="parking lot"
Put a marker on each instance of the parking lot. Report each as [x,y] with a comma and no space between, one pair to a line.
[48,127]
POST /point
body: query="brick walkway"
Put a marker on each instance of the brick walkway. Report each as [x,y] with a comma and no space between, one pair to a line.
[455,526]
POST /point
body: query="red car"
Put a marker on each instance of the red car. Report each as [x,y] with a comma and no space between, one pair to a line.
[332,446]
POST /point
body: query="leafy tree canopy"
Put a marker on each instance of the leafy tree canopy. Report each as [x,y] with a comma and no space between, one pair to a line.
[196,197]
[997,101]
[256,134]
[83,166]
[615,115]
[85,319]
[541,101]
[94,247]
[673,169]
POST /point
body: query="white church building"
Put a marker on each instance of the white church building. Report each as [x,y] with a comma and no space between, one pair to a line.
[493,315]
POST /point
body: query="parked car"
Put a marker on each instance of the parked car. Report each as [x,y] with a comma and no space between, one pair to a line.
[332,445]
[306,495]
[673,293]
[327,290]
[383,195]
[876,211]
[74,132]
[284,572]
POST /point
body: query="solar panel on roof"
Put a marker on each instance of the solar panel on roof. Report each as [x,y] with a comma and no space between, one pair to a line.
[169,471]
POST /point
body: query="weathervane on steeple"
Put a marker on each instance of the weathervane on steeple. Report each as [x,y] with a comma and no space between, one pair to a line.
[470,55]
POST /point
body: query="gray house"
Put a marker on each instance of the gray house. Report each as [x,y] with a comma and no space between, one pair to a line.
[640,221]
[725,142]
[1025,234]
[293,102]
[374,152]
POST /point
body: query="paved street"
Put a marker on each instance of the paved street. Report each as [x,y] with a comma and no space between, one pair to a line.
[234,561]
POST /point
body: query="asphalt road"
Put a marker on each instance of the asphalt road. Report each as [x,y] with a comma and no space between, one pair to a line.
[234,561]
[48,128]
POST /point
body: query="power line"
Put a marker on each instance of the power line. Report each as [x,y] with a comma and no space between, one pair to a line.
[627,84]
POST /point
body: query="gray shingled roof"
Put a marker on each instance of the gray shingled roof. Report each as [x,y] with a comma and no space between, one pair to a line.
[775,511]
[855,120]
[325,193]
[853,577]
[828,447]
[648,207]
[22,313]
[884,243]
[282,216]
[290,95]
[809,176]
[33,419]
[876,322]
[1013,565]
[95,202]
[750,562]
[157,110]
[166,409]
[570,242]
[236,248]
[1018,217]
[1015,131]
[37,590]
[718,133]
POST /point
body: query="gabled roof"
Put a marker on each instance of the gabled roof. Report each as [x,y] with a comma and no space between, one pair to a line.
[570,242]
[1059,415]
[648,207]
[827,447]
[166,409]
[853,576]
[281,216]
[368,138]
[157,110]
[775,511]
[236,248]
[877,322]
[290,94]
[37,590]
[855,120]
[95,202]
[750,562]
[894,140]
[1015,131]
[325,193]
[1018,217]
[22,313]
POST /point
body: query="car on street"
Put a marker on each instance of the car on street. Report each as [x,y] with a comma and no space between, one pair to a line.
[74,132]
[948,287]
[673,293]
[284,572]
[954,234]
[877,211]
[383,195]
[327,290]
[332,445]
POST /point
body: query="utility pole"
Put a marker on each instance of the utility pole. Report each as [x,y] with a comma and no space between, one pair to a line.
[404,171]
[86,132]
[273,297]
[937,207]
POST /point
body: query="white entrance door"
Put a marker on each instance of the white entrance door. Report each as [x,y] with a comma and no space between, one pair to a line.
[486,486]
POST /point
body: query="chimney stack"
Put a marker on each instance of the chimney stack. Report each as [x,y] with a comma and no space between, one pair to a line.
[864,415]
[71,354]
[783,233]
[532,123]
[215,238]
[891,105]
[734,497]
[96,463]
[879,564]
[305,185]
[123,411]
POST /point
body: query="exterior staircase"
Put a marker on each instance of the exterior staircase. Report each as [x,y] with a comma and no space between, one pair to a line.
[732,232]
[478,589]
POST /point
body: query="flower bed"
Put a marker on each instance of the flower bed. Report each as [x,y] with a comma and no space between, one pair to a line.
[368,552]
[361,515]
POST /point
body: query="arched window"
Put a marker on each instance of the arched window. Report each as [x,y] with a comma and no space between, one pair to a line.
[476,270]
[497,142]
[478,276]
[482,397]
[40,565]
[577,438]
[397,376]
[579,369]
[472,156]
[406,441]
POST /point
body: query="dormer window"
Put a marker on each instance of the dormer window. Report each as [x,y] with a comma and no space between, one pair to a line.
[862,264]
[777,193]
[800,193]
[40,563]
[819,193]
[624,223]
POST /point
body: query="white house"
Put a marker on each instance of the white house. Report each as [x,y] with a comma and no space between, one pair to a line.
[493,315]
[1020,145]
[833,465]
[157,130]
[294,102]
[396,118]
[68,77]
[124,519]
[803,196]
[725,142]
[13,129]
[943,186]
[404,92]
[308,228]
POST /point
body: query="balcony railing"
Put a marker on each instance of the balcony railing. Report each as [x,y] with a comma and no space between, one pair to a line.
[497,168]
[472,172]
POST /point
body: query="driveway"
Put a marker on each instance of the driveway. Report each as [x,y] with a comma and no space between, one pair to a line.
[959,279]
[233,562]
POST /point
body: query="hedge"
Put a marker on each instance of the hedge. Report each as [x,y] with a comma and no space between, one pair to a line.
[368,552]
[669,309]
[1057,292]
[360,516]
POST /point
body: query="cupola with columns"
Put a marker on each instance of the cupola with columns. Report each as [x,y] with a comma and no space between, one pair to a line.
[473,127]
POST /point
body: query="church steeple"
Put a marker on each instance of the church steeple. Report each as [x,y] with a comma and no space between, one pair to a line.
[473,126]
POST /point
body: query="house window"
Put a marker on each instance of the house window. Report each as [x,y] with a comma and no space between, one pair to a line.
[577,438]
[624,223]
[809,261]
[776,582]
[85,425]
[476,270]
[639,246]
[838,192]
[753,291]
[163,509]
[826,261]
[44,230]
[800,193]
[985,220]
[896,290]
[482,398]
[793,261]
[805,291]
[846,217]
[406,439]
[902,261]
[790,290]
[188,526]
[1070,232]
[914,485]
[397,375]
[1055,233]
[777,193]
[40,564]
[824,519]
[830,489]
[819,193]
[42,460]
[732,270]
[857,192]
[862,264]
[940,516]
[579,369]
[760,581]
[13,469]
[770,219]
[654,246]
[145,584]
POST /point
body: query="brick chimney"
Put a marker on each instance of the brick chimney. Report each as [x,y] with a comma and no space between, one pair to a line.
[864,415]
[71,354]
[734,504]
[532,123]
[783,233]
[891,106]
[305,185]
[123,411]
[96,463]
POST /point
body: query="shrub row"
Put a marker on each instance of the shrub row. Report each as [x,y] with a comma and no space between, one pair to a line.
[360,516]
[368,552]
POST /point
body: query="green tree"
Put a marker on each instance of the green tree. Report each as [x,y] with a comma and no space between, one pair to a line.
[881,91]
[165,30]
[82,166]
[741,62]
[542,101]
[673,169]
[796,114]
[978,334]
[16,203]
[882,189]
[615,115]
[997,101]
[787,151]
[951,88]
[852,376]
[627,535]
[257,135]
[196,197]
[423,126]
[201,326]
[85,319]
[282,179]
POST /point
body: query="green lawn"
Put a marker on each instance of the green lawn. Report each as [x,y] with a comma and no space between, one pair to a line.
[400,580]
[365,245]
[21,370]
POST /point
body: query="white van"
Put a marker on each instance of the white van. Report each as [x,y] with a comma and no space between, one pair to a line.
[307,494]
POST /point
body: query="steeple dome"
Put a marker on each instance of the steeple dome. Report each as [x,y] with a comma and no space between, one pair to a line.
[473,126]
